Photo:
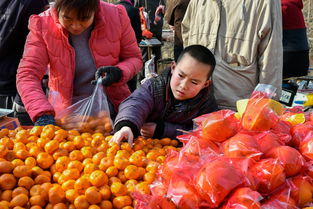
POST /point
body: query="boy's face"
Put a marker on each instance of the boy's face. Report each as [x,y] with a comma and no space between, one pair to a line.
[72,24]
[189,77]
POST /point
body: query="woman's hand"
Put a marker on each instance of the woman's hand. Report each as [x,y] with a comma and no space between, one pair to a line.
[148,129]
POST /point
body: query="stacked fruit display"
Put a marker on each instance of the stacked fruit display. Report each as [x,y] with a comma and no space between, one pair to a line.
[261,158]
[48,167]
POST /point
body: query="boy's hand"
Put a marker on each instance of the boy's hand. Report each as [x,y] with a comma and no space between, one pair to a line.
[124,133]
[148,129]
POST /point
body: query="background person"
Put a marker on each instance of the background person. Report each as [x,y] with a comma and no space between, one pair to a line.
[295,41]
[246,39]
[14,15]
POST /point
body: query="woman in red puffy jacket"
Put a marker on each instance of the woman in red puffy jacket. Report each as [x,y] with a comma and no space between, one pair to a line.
[77,39]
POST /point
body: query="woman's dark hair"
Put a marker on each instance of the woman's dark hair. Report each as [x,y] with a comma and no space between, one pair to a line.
[201,54]
[84,8]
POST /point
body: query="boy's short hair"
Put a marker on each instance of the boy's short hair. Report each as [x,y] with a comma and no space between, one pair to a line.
[201,54]
[84,8]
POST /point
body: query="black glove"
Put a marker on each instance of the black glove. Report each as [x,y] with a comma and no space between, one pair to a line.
[45,120]
[109,74]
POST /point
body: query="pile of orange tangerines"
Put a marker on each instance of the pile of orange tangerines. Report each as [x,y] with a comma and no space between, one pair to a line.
[48,167]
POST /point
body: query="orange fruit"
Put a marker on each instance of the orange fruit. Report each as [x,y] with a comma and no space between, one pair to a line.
[81,185]
[93,196]
[149,177]
[143,187]
[17,162]
[35,190]
[21,136]
[111,171]
[26,182]
[60,206]
[56,194]
[44,160]
[6,195]
[36,170]
[118,189]
[131,172]
[19,200]
[98,157]
[114,179]
[131,185]
[6,167]
[120,163]
[136,160]
[90,167]
[87,152]
[45,187]
[7,181]
[75,164]
[94,207]
[47,133]
[40,179]
[79,142]
[105,163]
[106,204]
[35,207]
[22,170]
[59,153]
[73,132]
[41,142]
[69,184]
[22,154]
[122,176]
[105,192]
[72,173]
[4,132]
[98,178]
[19,190]
[51,146]
[71,195]
[76,155]
[86,161]
[122,201]
[69,146]
[36,130]
[10,156]
[81,202]
[30,161]
[37,200]
[34,151]
[7,142]
[122,153]
[61,163]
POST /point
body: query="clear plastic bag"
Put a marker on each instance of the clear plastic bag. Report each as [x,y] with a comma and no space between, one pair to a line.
[90,115]
[261,113]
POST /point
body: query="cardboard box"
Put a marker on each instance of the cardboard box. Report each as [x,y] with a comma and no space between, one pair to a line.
[9,123]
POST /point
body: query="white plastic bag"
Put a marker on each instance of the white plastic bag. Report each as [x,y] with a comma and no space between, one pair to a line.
[91,114]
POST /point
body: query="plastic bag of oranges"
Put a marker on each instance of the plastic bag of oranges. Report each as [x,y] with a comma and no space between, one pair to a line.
[261,112]
[90,115]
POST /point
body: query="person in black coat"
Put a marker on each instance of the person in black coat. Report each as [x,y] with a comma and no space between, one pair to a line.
[14,15]
[133,14]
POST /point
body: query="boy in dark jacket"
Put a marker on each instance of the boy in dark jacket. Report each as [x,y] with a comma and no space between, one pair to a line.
[166,104]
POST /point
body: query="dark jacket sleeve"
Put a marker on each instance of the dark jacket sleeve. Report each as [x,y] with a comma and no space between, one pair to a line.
[136,108]
[137,26]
